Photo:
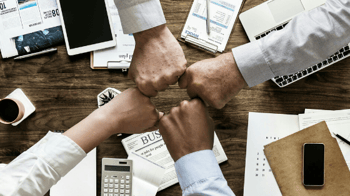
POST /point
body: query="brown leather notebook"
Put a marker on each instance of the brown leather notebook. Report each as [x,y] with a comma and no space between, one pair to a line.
[285,157]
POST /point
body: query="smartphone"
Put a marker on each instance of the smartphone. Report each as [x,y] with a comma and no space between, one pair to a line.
[313,164]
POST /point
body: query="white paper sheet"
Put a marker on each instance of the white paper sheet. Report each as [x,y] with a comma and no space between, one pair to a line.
[223,14]
[307,120]
[2,166]
[263,129]
[81,180]
[308,111]
[337,121]
[147,176]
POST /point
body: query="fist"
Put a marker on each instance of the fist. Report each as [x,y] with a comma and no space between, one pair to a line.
[158,60]
[130,112]
[216,81]
[188,128]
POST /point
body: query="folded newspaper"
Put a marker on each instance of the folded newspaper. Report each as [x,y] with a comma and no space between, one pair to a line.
[28,26]
[152,147]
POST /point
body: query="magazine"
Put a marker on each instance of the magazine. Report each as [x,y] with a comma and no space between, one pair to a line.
[28,26]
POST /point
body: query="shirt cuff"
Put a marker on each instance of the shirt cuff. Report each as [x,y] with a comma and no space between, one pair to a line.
[197,166]
[59,151]
[252,64]
[141,16]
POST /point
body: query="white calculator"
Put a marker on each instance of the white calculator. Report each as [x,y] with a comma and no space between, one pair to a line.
[116,177]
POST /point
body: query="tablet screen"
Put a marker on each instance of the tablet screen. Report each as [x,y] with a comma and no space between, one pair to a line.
[86,22]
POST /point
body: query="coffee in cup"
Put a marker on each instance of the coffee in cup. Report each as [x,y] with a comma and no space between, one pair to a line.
[11,110]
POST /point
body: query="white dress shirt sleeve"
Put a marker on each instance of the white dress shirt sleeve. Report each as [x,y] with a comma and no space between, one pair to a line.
[40,167]
[139,15]
[199,174]
[308,39]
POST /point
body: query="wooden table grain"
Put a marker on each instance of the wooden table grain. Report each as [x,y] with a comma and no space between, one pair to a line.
[64,89]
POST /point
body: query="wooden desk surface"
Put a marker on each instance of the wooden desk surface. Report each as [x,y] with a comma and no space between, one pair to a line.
[64,91]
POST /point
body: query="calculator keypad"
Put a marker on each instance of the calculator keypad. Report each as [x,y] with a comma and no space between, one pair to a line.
[117,186]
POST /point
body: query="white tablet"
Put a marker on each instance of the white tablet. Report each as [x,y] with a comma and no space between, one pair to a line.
[86,24]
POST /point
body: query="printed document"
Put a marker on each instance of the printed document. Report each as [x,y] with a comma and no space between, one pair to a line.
[337,122]
[147,176]
[152,147]
[223,14]
[263,129]
[22,17]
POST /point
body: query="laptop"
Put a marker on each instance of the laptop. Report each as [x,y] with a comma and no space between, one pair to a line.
[274,15]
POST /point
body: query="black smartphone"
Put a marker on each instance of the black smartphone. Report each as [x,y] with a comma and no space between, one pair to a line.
[313,164]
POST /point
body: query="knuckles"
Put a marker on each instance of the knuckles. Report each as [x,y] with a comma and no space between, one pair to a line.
[174,111]
[184,104]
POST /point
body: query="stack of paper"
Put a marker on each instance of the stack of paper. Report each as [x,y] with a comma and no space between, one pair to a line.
[266,128]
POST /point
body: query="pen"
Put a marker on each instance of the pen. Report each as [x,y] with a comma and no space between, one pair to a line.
[340,137]
[208,17]
[36,53]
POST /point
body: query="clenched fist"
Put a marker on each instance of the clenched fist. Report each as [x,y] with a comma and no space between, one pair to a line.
[130,112]
[158,60]
[188,128]
[216,81]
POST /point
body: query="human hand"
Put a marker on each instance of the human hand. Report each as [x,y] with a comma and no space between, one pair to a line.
[216,81]
[158,60]
[130,112]
[188,128]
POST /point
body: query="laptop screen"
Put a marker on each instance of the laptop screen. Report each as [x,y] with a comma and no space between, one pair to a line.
[284,9]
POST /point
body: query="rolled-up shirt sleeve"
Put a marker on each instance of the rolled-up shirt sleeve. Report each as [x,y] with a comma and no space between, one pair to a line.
[40,167]
[199,174]
[308,39]
[139,15]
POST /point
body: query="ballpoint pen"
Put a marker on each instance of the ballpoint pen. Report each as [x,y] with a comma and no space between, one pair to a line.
[341,138]
[208,17]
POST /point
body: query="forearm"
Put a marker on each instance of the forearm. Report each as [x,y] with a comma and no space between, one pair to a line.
[40,167]
[91,131]
[139,15]
[43,165]
[308,39]
[199,174]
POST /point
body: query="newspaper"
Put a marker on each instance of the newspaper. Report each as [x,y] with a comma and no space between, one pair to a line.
[28,26]
[152,147]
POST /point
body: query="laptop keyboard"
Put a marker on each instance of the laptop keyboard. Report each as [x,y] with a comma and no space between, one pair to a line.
[271,30]
[285,80]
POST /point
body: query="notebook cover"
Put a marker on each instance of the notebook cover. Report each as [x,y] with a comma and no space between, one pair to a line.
[285,157]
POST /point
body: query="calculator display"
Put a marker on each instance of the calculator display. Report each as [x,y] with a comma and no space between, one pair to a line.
[117,168]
